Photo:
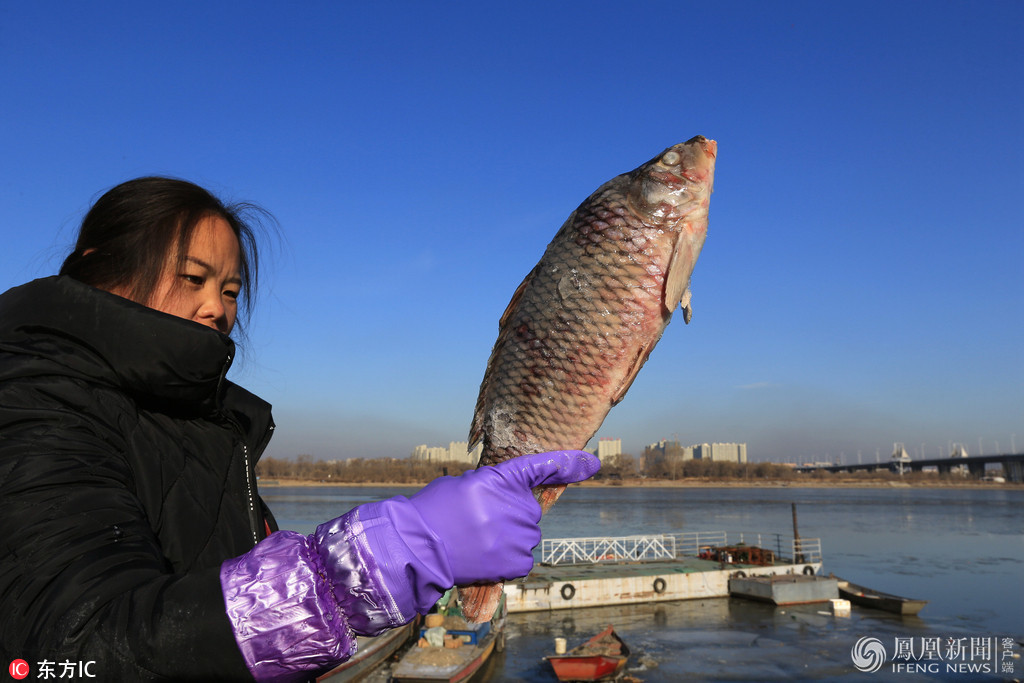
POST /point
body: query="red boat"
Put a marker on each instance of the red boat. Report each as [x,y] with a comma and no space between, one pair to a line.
[600,658]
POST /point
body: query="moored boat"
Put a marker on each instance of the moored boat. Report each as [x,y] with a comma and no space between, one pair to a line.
[785,589]
[887,602]
[454,650]
[371,653]
[600,658]
[616,570]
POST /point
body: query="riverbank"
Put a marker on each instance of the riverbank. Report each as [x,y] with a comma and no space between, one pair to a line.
[832,482]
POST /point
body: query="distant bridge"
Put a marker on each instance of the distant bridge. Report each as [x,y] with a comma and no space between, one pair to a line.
[1013,465]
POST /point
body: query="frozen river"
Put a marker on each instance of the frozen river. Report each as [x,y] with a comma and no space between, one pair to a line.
[961,549]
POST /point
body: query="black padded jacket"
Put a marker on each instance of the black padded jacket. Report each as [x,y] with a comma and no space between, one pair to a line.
[126,479]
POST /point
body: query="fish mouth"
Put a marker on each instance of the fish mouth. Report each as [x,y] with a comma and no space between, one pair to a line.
[710,147]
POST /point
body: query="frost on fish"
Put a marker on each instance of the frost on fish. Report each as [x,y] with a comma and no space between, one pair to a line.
[585,319]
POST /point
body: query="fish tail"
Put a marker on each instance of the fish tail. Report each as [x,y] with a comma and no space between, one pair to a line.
[480,601]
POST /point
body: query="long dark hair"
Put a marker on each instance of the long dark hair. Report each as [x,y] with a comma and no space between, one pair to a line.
[125,237]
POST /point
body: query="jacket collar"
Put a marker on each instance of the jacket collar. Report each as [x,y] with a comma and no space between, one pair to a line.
[161,360]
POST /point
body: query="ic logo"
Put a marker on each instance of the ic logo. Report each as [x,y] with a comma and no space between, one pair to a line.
[868,655]
[19,669]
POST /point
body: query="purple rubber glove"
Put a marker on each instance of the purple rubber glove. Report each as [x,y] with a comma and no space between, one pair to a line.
[477,527]
[297,602]
[487,518]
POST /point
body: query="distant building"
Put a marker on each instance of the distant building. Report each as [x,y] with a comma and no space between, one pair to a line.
[665,448]
[608,448]
[457,451]
[721,452]
[430,454]
[669,453]
[654,454]
[729,452]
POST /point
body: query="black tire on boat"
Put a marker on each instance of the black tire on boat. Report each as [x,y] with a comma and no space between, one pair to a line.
[808,570]
[659,585]
[568,591]
[738,575]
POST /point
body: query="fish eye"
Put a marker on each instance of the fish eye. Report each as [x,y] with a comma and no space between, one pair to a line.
[671,158]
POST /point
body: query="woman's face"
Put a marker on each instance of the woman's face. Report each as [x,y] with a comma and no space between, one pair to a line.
[205,288]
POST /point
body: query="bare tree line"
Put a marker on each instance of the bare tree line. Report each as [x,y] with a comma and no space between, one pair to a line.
[357,470]
[672,469]
[621,468]
[408,471]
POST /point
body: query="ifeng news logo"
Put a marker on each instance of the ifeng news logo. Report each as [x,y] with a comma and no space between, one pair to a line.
[868,655]
[935,654]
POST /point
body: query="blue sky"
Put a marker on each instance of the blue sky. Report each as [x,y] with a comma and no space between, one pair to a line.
[862,278]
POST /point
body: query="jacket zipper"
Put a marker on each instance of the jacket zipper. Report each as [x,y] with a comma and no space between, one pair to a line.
[253,522]
[256,522]
[250,476]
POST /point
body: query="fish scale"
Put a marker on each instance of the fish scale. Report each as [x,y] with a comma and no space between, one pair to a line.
[585,319]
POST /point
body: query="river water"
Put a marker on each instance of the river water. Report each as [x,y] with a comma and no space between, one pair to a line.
[961,549]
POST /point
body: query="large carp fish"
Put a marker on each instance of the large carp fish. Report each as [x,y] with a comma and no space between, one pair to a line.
[582,323]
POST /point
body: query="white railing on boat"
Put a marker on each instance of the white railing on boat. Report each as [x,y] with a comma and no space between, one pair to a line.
[569,551]
[690,542]
[806,550]
[606,549]
[794,550]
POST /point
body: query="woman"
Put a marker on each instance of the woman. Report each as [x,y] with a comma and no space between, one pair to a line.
[133,537]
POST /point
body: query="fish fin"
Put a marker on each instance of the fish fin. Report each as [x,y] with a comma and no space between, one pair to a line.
[476,429]
[677,275]
[547,494]
[686,306]
[677,293]
[514,302]
[478,602]
[627,381]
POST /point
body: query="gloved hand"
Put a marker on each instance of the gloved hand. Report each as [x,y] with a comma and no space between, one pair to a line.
[487,519]
[477,527]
